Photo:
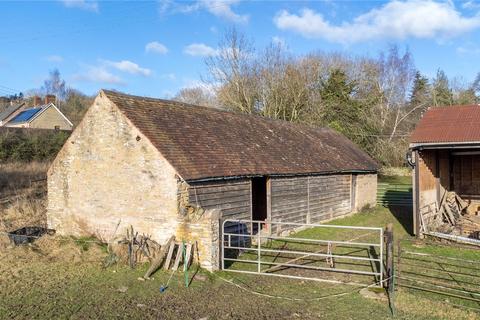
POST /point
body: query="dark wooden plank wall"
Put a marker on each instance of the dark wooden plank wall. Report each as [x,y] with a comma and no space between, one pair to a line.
[310,199]
[232,197]
[289,199]
[330,197]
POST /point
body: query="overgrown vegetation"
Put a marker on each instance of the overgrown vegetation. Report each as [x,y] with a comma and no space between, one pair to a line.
[26,145]
[22,195]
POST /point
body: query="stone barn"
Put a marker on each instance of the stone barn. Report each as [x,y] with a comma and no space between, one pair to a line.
[169,168]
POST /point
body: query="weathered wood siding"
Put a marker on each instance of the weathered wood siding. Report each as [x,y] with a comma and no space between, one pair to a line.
[289,199]
[233,198]
[310,199]
[427,169]
[329,197]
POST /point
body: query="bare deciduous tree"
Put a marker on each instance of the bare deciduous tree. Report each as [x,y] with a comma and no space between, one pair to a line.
[198,96]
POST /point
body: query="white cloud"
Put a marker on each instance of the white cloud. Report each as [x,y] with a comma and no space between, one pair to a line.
[98,74]
[394,20]
[156,47]
[223,9]
[129,67]
[471,5]
[54,58]
[200,49]
[81,4]
[219,8]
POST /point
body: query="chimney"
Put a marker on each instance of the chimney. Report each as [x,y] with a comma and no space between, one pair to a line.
[50,98]
[37,101]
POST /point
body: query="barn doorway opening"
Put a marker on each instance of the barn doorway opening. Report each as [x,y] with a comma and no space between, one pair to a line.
[259,199]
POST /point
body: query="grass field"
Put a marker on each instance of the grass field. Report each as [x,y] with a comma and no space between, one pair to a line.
[65,279]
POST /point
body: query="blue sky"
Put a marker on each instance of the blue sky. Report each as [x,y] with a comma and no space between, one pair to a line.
[157,48]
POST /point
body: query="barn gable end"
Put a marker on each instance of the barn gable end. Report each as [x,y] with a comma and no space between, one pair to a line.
[108,173]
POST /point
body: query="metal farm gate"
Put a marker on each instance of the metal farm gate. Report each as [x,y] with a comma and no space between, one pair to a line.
[329,253]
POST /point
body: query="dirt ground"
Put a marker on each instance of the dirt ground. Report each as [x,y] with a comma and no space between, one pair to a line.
[65,278]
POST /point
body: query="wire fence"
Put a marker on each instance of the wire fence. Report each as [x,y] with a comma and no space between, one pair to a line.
[454,280]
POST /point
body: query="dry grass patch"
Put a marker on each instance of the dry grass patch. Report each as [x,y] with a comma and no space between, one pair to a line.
[17,176]
[22,195]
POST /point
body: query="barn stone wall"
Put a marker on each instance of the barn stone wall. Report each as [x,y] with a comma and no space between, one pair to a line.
[365,191]
[202,230]
[108,174]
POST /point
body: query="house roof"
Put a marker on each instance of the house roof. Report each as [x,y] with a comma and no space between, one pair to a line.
[9,110]
[204,143]
[30,114]
[453,124]
[26,115]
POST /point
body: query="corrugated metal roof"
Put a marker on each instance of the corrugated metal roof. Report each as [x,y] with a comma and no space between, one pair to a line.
[448,125]
[25,115]
[203,143]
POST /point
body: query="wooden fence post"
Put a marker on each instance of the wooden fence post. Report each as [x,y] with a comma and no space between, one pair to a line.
[390,279]
[389,252]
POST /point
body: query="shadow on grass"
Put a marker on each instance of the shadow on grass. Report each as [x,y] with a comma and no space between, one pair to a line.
[404,215]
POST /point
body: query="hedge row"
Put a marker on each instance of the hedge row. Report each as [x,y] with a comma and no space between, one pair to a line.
[30,144]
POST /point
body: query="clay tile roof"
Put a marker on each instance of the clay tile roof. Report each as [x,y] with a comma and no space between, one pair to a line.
[448,125]
[203,143]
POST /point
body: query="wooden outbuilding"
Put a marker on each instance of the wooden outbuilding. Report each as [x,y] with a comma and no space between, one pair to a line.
[168,168]
[445,154]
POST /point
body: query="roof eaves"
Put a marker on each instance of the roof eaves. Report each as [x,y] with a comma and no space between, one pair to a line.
[446,144]
[279,175]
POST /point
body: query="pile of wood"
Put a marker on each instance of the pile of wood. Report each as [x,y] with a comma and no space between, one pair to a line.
[172,251]
[469,226]
[458,217]
[133,248]
[452,208]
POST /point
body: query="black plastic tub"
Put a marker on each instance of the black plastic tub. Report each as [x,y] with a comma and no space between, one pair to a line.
[28,234]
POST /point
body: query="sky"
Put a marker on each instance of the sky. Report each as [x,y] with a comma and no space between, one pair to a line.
[157,48]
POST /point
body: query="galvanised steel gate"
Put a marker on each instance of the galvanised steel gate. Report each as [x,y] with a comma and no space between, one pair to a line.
[312,253]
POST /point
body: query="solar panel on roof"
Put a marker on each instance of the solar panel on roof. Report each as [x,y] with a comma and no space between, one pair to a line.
[25,115]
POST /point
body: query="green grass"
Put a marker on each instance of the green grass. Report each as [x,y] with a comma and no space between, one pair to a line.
[395,179]
[42,285]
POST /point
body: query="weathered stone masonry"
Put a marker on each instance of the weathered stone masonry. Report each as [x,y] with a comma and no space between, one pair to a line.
[108,173]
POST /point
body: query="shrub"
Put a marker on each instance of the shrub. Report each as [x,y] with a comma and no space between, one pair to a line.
[25,145]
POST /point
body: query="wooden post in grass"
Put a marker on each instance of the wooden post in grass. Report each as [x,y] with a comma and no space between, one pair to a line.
[389,252]
[390,280]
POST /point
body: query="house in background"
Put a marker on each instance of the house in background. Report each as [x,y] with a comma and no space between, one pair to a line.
[445,152]
[168,168]
[10,112]
[40,116]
